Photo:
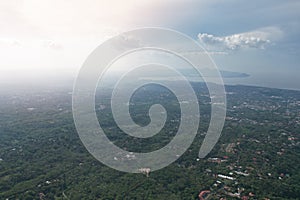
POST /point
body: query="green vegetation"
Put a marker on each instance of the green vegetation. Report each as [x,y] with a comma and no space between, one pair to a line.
[42,157]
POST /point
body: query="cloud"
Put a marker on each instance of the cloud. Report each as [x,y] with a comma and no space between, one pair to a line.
[235,41]
[9,43]
[30,43]
[52,45]
[204,53]
[258,39]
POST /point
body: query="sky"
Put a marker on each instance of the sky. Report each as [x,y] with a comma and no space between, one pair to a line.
[50,39]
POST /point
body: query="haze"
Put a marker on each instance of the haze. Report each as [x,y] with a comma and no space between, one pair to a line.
[47,41]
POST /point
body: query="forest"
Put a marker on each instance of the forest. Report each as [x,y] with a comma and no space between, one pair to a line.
[42,157]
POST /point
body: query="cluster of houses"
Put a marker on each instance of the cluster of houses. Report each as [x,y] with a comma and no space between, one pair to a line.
[226,185]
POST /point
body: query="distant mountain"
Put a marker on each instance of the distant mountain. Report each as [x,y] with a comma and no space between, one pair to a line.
[209,72]
[229,74]
[190,73]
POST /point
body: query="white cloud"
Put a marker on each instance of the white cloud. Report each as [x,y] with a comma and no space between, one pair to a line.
[258,39]
[204,53]
[52,45]
[6,42]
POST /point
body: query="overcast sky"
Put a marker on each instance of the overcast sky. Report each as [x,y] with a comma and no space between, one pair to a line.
[40,38]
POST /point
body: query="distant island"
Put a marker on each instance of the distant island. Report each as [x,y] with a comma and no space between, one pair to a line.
[209,72]
[229,74]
